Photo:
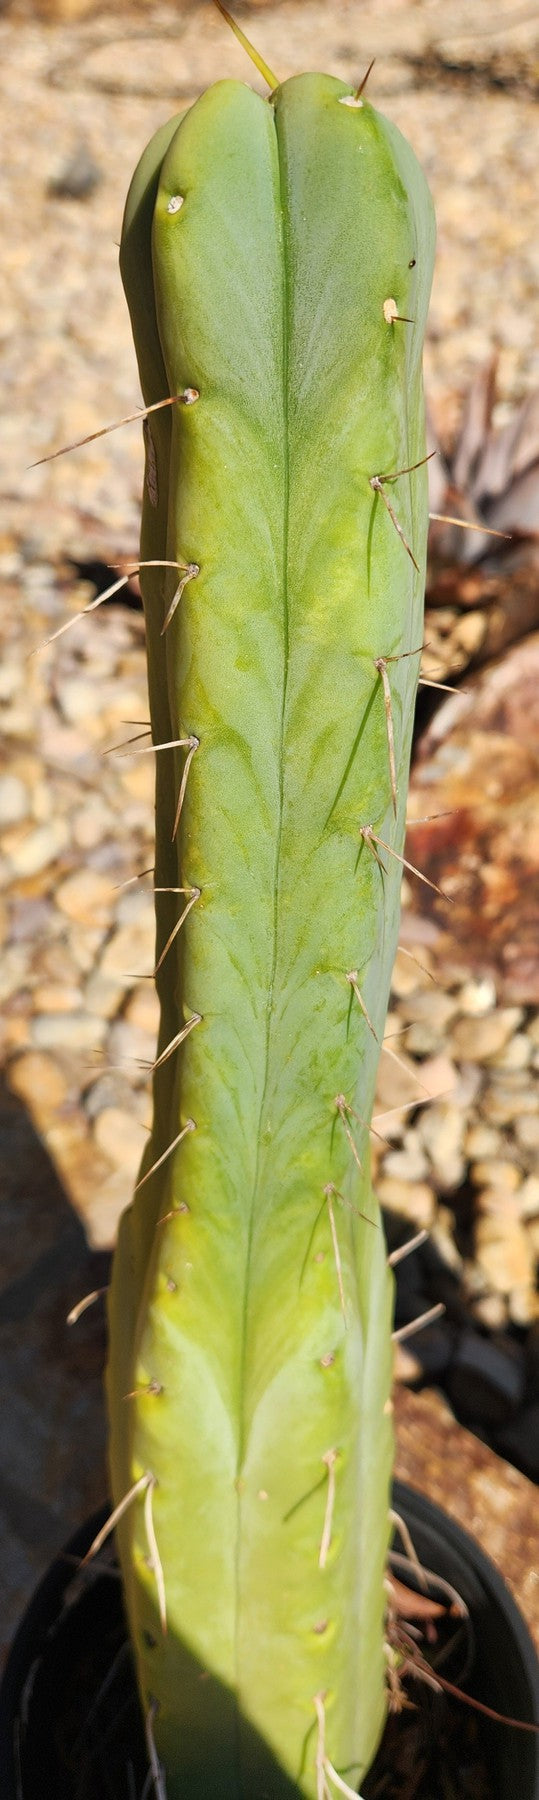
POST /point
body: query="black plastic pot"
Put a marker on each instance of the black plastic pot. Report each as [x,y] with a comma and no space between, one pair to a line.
[69,1718]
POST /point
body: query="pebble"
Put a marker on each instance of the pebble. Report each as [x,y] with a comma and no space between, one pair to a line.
[531,1226]
[86,897]
[109,1090]
[406,1367]
[68,1031]
[481,1141]
[85,944]
[517,1053]
[411,973]
[103,1203]
[91,824]
[416,1202]
[468,1085]
[80,699]
[36,849]
[13,971]
[396,1086]
[41,802]
[134,1048]
[14,1034]
[431,1007]
[493,1172]
[32,919]
[502,1105]
[443,1237]
[136,903]
[121,1138]
[479,1039]
[142,1010]
[527,1131]
[78,176]
[524,1304]
[441,1129]
[500,1202]
[476,998]
[62,744]
[439,1076]
[14,800]
[410,1163]
[491,1310]
[56,997]
[103,994]
[40,1082]
[529,1197]
[130,951]
[139,780]
[504,1252]
[423,1039]
[469,631]
[55,962]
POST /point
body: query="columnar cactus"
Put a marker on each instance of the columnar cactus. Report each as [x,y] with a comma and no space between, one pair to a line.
[276,256]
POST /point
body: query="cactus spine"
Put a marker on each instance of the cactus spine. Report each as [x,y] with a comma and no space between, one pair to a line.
[277,262]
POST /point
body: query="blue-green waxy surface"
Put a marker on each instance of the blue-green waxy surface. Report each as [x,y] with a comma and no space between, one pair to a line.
[251,1302]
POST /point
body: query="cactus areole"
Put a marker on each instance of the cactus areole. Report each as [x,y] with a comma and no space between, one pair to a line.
[277,259]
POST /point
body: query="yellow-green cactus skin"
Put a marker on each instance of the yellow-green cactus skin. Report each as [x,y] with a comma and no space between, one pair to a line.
[277,260]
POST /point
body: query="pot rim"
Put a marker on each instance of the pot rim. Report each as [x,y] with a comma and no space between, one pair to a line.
[46,1603]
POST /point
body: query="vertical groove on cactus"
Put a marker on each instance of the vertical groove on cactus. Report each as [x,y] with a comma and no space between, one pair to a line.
[250,1312]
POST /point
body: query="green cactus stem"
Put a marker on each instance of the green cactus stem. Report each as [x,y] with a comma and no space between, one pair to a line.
[277,261]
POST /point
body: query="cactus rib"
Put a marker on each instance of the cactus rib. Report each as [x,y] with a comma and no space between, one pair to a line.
[253,1329]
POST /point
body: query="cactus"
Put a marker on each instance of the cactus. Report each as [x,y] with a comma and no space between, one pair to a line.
[276,256]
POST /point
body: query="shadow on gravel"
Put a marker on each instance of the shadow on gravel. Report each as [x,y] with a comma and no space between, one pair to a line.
[52,1470]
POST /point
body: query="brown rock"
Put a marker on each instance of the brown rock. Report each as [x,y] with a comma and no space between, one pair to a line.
[480,760]
[486,1496]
